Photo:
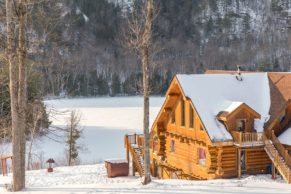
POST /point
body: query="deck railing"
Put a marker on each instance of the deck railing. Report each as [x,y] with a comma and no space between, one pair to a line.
[247,137]
[134,139]
[131,142]
[137,139]
[281,149]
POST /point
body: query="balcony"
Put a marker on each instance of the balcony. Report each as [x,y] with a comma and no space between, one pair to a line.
[247,139]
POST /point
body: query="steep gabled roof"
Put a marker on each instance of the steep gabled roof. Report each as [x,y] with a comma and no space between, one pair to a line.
[280,89]
[233,107]
[212,93]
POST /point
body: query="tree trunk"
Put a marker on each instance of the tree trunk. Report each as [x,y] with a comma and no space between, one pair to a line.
[71,139]
[17,86]
[145,61]
[22,84]
[145,54]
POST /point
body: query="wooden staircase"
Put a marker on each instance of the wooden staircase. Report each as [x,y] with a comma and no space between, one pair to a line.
[279,156]
[134,147]
[137,156]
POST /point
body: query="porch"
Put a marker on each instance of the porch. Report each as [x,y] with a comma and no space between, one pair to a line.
[247,139]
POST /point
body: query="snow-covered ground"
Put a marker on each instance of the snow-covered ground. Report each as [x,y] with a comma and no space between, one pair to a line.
[105,121]
[92,179]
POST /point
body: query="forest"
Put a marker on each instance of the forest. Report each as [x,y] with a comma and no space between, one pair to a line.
[76,47]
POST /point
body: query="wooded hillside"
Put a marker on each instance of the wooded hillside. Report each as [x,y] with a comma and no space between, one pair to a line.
[77,45]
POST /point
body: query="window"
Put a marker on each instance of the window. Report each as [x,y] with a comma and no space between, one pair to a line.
[182,112]
[201,156]
[241,124]
[191,115]
[173,147]
[201,128]
[155,144]
[173,118]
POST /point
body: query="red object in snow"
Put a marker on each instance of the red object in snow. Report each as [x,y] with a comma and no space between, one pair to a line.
[116,167]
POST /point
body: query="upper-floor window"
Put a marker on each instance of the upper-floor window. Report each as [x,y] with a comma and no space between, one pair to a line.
[241,124]
[173,117]
[202,156]
[173,146]
[182,112]
[191,115]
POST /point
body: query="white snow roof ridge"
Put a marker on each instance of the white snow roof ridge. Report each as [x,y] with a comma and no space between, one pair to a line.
[212,93]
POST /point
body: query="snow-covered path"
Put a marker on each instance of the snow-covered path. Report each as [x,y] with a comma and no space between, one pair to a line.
[91,179]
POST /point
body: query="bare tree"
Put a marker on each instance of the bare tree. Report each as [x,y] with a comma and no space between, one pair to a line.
[37,112]
[17,73]
[139,38]
[74,133]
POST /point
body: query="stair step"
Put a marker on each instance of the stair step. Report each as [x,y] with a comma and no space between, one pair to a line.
[278,160]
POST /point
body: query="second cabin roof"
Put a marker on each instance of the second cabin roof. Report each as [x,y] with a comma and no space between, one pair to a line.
[213,93]
[232,108]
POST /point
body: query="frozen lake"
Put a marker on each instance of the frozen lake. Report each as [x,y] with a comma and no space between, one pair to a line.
[105,121]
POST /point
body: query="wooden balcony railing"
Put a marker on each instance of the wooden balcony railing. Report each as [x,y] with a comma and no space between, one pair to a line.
[247,138]
[134,139]
[137,139]
[130,142]
[281,149]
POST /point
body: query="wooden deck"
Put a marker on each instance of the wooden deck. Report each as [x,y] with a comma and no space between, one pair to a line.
[275,150]
[247,139]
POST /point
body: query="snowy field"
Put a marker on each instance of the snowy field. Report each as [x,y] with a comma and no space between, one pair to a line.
[91,179]
[105,121]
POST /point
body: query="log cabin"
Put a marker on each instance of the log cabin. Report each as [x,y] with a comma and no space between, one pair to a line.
[220,125]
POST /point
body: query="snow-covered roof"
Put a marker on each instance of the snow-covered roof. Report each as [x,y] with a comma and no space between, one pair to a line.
[232,106]
[212,93]
[285,137]
[116,160]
